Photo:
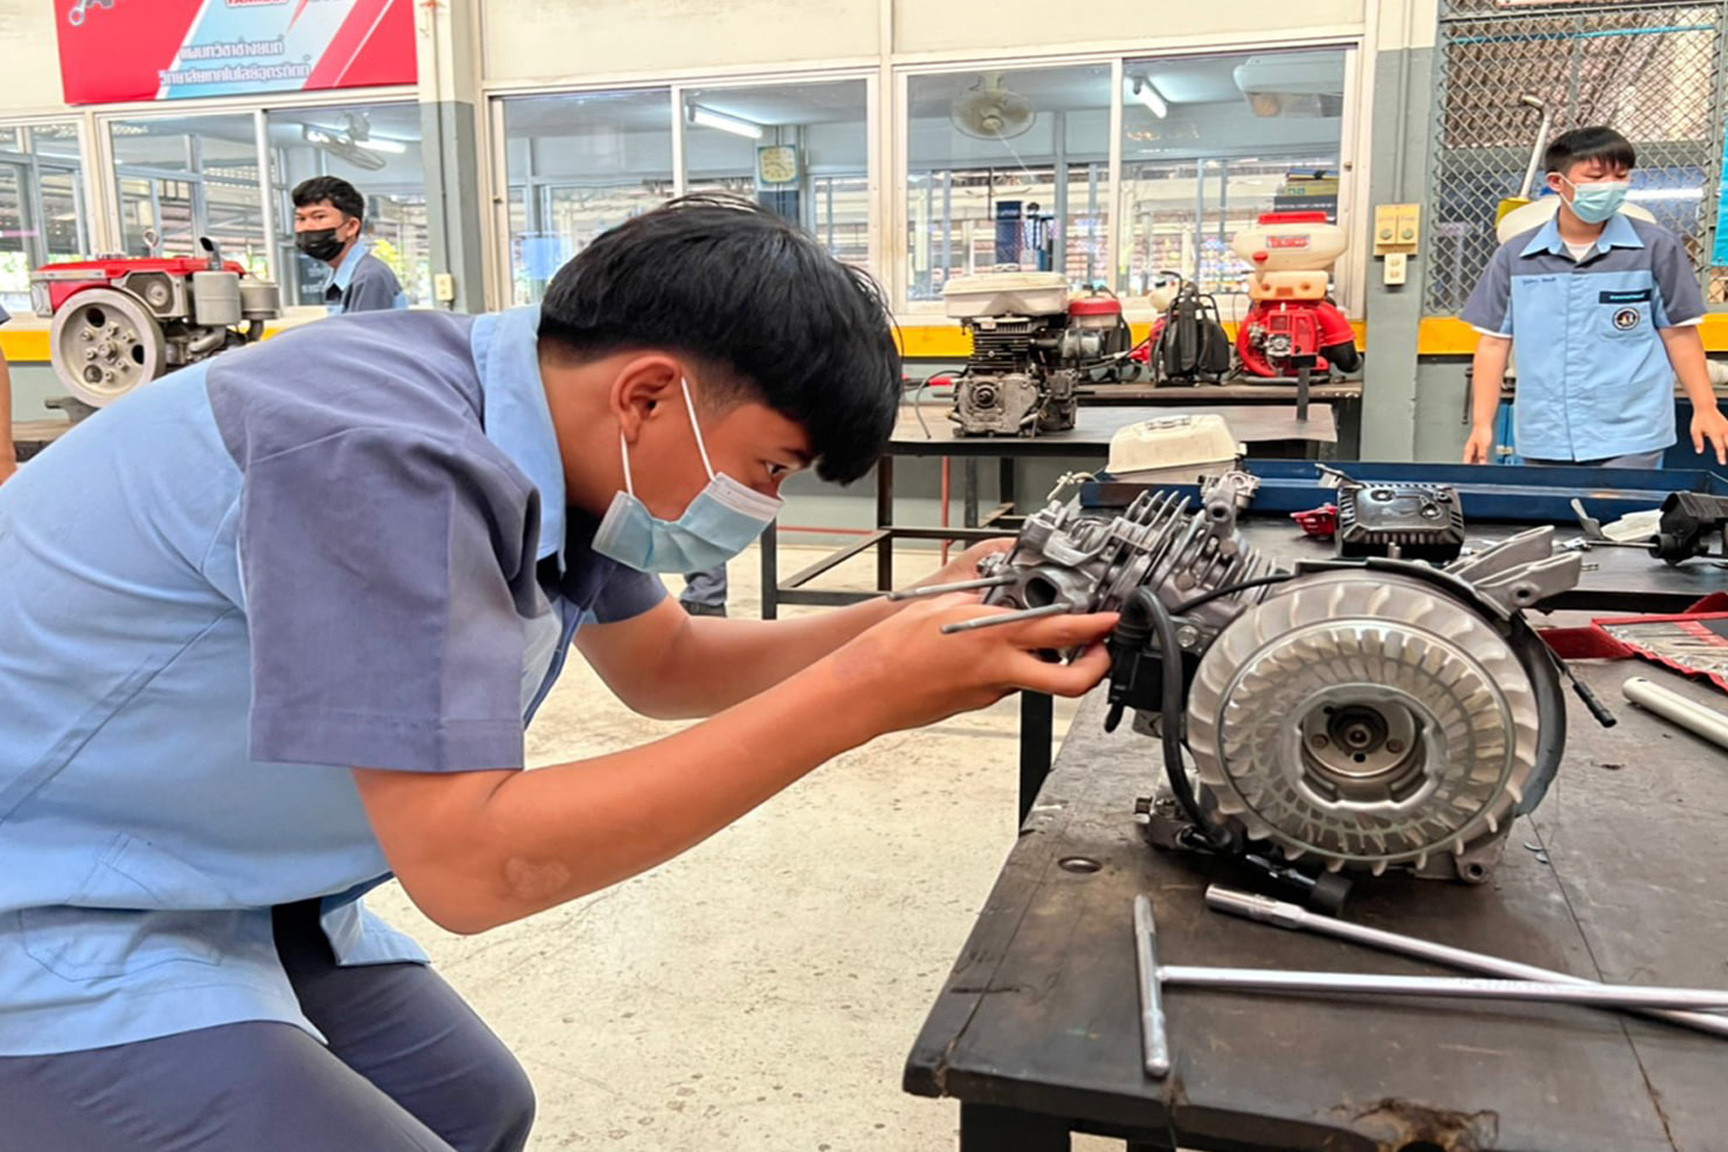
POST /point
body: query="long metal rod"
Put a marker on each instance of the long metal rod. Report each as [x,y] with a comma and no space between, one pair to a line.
[1057,609]
[943,589]
[1689,714]
[1286,915]
[1467,987]
[1154,1040]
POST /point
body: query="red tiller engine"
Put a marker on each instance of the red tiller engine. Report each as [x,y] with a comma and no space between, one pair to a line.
[120,323]
[1293,327]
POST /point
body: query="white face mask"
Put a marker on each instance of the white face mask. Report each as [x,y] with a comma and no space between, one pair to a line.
[719,523]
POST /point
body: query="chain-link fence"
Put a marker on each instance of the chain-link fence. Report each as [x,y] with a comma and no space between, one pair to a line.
[1652,71]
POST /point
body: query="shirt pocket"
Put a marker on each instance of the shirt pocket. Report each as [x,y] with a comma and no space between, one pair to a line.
[139,908]
[1624,315]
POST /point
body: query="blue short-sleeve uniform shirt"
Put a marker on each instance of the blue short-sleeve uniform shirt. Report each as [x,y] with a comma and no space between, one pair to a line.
[363,283]
[347,546]
[1594,380]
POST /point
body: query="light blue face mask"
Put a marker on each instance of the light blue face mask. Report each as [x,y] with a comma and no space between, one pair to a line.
[1596,203]
[720,523]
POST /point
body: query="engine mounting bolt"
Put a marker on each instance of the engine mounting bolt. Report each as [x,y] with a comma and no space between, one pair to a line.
[1394,746]
[1187,636]
[86,334]
[1318,740]
[89,353]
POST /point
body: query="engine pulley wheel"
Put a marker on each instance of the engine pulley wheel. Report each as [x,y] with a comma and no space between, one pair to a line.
[1367,720]
[104,344]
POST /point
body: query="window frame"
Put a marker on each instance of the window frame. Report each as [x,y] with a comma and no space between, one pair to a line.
[102,171]
[496,173]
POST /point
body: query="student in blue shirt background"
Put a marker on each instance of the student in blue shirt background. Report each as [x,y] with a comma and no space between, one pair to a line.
[1602,312]
[272,627]
[328,223]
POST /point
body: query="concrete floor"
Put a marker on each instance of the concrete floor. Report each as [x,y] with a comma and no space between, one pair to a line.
[761,992]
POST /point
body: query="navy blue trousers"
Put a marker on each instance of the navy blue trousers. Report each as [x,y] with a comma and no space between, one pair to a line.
[409,1068]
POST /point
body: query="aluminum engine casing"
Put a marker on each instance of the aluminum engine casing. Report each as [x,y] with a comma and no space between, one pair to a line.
[1359,715]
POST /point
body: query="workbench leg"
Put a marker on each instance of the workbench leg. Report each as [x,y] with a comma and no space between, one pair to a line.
[969,492]
[987,1128]
[1037,729]
[885,520]
[771,572]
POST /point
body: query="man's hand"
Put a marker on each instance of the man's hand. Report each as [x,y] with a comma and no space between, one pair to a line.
[1708,424]
[914,674]
[8,467]
[1479,446]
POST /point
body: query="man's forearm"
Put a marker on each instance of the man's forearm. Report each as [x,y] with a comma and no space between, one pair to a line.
[497,846]
[1686,355]
[1488,372]
[757,654]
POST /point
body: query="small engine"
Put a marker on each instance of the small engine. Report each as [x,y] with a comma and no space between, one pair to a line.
[1358,715]
[1031,347]
[1293,328]
[120,323]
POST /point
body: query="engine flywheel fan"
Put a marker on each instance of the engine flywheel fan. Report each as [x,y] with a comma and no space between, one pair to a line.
[1365,720]
[105,343]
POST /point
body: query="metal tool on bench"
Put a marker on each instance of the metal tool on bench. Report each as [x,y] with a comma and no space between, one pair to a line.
[1705,722]
[1154,1040]
[1155,975]
[1286,915]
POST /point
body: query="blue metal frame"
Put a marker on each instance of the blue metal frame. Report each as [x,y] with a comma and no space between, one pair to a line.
[1510,493]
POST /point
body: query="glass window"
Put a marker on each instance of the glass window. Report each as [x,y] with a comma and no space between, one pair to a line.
[799,149]
[1008,168]
[42,213]
[576,165]
[188,177]
[376,148]
[1212,142]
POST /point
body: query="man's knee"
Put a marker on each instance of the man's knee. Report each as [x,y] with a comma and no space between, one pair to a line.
[508,1096]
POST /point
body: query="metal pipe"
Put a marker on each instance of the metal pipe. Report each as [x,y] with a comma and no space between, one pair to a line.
[1154,1040]
[927,590]
[1286,915]
[1467,987]
[977,622]
[1670,705]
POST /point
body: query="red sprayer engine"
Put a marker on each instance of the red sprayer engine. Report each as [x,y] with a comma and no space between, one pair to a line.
[120,323]
[1293,327]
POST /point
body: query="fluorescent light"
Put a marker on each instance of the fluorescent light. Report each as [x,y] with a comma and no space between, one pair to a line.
[737,125]
[1148,95]
[374,144]
[1666,194]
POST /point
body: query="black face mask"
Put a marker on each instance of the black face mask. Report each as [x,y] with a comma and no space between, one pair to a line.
[319,243]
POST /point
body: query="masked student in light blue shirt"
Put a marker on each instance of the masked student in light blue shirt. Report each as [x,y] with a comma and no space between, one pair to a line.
[271,629]
[327,227]
[1601,310]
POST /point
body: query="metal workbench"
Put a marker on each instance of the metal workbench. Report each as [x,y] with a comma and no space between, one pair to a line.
[1036,1031]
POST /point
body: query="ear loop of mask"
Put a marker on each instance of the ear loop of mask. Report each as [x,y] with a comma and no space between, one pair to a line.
[695,429]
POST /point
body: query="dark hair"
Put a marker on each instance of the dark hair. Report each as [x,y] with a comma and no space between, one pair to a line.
[335,191]
[729,283]
[1596,143]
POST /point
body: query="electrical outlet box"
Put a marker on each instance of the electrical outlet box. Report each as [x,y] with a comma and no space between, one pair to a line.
[444,288]
[1397,268]
[1397,228]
